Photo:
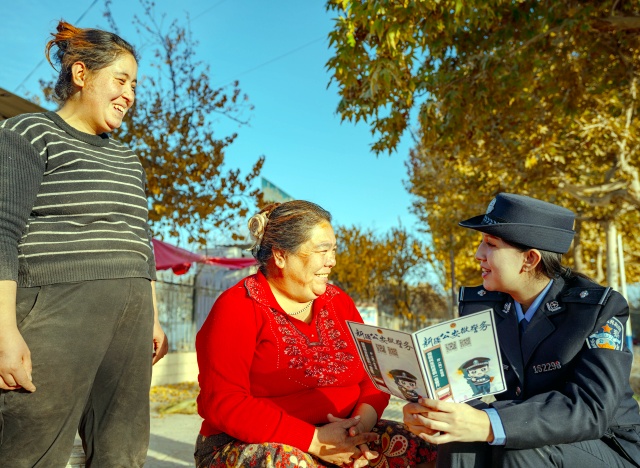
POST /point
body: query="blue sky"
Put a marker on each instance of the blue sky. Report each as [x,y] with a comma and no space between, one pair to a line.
[278,50]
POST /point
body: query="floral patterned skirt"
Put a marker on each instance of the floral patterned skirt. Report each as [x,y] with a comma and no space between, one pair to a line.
[396,446]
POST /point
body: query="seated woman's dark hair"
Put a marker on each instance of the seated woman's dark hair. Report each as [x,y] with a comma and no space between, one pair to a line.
[283,226]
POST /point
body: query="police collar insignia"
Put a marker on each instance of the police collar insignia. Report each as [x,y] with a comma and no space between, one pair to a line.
[482,292]
[553,306]
[506,308]
[584,294]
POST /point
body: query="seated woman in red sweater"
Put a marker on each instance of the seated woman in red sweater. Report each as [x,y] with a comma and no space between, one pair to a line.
[281,383]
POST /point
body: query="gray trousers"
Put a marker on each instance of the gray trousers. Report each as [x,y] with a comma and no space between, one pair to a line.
[91,349]
[587,454]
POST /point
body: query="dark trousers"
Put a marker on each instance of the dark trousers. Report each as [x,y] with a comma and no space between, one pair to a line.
[91,349]
[587,454]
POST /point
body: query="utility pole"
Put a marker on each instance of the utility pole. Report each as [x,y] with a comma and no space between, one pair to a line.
[454,296]
[623,291]
[612,258]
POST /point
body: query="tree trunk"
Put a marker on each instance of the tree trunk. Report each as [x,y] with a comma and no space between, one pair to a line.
[599,268]
[623,273]
[454,296]
[578,264]
[612,255]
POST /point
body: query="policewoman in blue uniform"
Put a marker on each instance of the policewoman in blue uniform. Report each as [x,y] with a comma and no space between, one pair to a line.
[568,401]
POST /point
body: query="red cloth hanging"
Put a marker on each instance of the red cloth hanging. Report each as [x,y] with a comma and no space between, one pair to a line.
[179,260]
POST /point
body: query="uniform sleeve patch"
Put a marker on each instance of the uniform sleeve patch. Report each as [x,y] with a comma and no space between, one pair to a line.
[609,336]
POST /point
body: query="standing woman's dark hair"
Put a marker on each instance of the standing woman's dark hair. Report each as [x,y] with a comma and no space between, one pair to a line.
[74,235]
[284,226]
[97,49]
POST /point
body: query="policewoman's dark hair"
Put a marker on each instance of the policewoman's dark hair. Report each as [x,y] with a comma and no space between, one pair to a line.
[550,264]
[283,226]
[95,48]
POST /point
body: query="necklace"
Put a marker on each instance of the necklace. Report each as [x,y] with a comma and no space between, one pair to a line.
[303,309]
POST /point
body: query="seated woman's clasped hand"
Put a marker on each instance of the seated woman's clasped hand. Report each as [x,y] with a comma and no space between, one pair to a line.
[343,442]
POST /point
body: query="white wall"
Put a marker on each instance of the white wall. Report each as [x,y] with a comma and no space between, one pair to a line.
[175,368]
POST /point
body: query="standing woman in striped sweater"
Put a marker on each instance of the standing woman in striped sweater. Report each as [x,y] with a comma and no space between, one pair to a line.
[77,312]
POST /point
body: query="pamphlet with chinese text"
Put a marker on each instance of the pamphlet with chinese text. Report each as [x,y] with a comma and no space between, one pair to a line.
[457,360]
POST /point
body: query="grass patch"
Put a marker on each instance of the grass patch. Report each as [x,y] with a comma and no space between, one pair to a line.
[175,398]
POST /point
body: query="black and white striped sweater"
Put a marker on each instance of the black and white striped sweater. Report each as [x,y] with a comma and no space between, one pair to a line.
[72,205]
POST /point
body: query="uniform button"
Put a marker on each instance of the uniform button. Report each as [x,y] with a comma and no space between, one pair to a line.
[518,391]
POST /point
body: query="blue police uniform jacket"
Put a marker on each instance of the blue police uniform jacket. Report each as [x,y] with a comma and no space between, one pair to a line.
[568,380]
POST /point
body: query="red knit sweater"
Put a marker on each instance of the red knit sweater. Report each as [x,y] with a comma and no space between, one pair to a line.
[267,377]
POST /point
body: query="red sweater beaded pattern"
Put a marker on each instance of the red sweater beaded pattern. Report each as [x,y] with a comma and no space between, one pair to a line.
[315,357]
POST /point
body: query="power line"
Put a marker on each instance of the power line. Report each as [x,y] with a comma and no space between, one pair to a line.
[275,59]
[86,11]
[245,72]
[209,9]
[42,60]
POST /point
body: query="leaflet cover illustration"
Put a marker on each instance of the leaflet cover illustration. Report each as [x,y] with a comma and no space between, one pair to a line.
[457,360]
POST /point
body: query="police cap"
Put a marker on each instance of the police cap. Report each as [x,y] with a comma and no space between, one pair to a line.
[526,221]
[474,363]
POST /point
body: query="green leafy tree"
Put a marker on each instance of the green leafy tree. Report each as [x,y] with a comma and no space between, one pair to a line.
[359,263]
[420,304]
[537,97]
[388,270]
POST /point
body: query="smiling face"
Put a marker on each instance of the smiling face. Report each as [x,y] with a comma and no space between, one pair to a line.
[407,384]
[478,371]
[305,272]
[105,95]
[501,264]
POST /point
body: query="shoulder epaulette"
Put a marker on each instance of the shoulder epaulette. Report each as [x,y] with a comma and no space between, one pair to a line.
[587,295]
[479,294]
[585,291]
[591,295]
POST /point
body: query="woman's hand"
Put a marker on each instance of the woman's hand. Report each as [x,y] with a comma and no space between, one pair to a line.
[439,422]
[160,342]
[366,453]
[15,357]
[15,361]
[333,443]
